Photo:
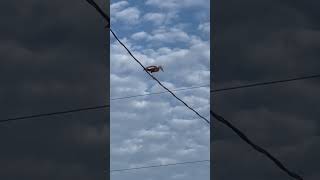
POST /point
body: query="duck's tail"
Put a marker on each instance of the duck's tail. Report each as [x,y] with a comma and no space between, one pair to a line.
[160,67]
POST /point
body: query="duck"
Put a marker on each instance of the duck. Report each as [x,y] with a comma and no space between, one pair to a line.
[153,69]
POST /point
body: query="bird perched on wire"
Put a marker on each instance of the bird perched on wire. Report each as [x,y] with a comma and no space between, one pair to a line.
[153,69]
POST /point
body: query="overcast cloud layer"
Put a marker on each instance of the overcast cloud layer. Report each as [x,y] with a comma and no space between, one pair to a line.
[257,41]
[52,58]
[153,130]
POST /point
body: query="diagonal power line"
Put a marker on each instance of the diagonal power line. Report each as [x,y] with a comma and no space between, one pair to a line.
[202,117]
[219,118]
[156,166]
[126,97]
[254,146]
[267,83]
[144,68]
[20,118]
[104,15]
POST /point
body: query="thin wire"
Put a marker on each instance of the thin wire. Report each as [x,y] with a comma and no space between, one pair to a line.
[214,90]
[202,117]
[91,2]
[267,83]
[254,146]
[53,113]
[195,87]
[219,118]
[156,166]
[87,108]
[161,92]
[104,15]
[218,90]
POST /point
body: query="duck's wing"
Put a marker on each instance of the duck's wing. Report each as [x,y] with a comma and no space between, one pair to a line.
[151,67]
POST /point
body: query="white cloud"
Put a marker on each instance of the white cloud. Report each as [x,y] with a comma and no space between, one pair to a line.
[163,160]
[204,27]
[180,176]
[186,151]
[170,35]
[154,134]
[115,7]
[177,4]
[198,77]
[140,35]
[182,123]
[129,15]
[121,12]
[156,18]
[160,19]
[163,35]
[126,86]
[158,88]
[129,146]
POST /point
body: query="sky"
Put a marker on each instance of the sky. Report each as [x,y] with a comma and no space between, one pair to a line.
[262,40]
[52,59]
[157,129]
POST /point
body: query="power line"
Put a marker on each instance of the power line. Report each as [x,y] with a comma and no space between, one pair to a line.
[91,2]
[87,108]
[218,90]
[130,53]
[156,166]
[214,90]
[254,146]
[202,117]
[53,113]
[267,83]
[104,15]
[104,106]
[156,93]
[219,118]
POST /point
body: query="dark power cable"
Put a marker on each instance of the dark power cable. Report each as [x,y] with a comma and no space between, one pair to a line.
[202,117]
[130,53]
[53,113]
[254,146]
[267,83]
[195,87]
[219,118]
[156,166]
[104,15]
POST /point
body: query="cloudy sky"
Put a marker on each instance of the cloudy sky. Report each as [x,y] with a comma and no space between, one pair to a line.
[52,59]
[157,129]
[261,40]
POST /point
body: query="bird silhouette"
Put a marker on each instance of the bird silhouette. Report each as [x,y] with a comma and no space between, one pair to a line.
[153,69]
